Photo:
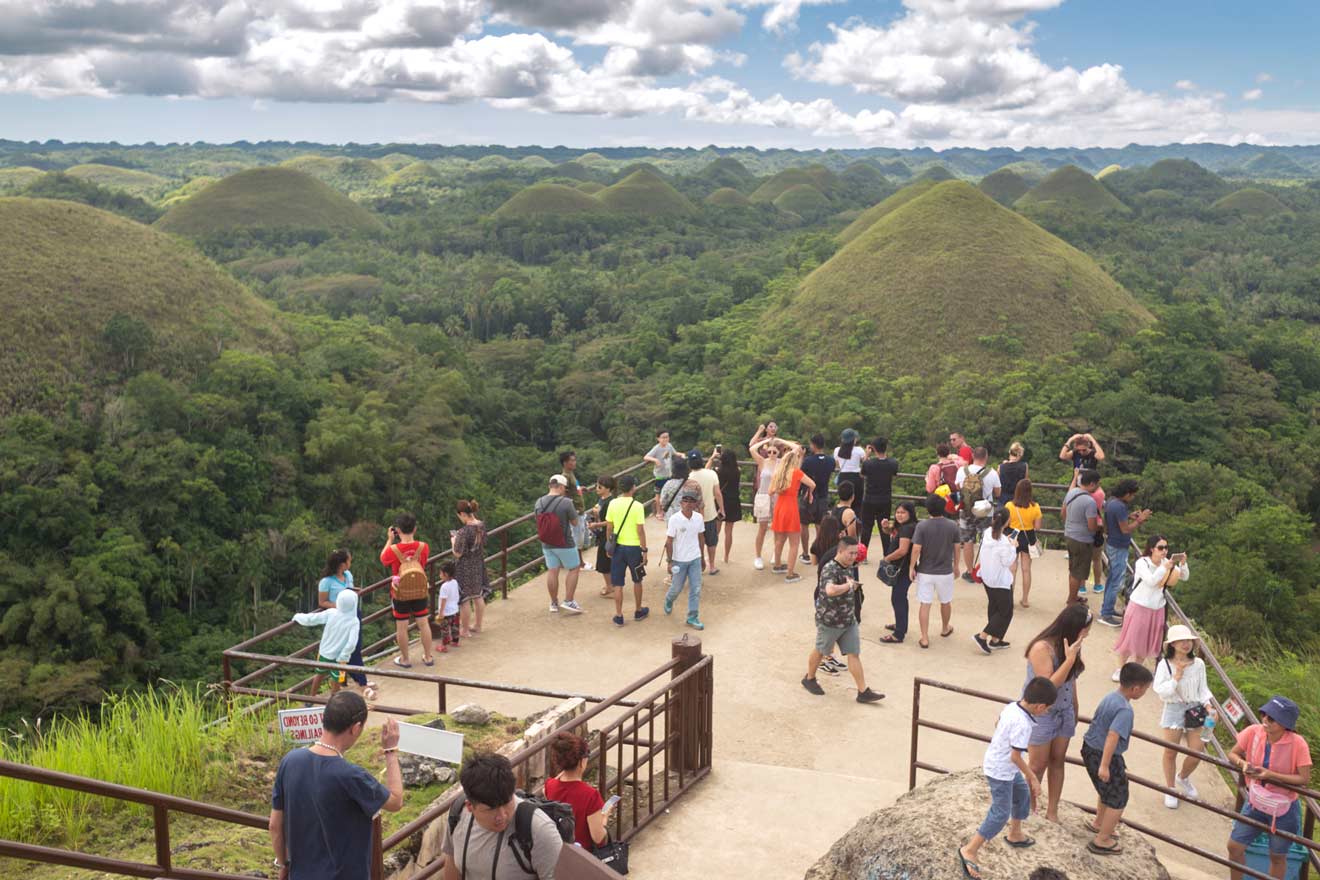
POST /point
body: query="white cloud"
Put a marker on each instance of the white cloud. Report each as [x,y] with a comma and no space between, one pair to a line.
[1262,78]
[1185,85]
[1253,94]
[783,14]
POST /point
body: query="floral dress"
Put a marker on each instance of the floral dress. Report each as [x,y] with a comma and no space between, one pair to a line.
[471,565]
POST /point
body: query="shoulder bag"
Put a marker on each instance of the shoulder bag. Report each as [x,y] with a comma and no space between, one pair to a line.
[612,543]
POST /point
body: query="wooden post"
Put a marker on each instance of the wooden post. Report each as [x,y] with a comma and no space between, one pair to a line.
[161,819]
[443,708]
[504,564]
[686,751]
[916,716]
[1308,831]
[377,851]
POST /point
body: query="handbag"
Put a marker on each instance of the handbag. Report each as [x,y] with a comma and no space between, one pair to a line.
[1033,550]
[761,506]
[614,855]
[1194,718]
[889,572]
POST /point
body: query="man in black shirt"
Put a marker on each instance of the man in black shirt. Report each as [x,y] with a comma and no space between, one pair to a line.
[819,466]
[878,472]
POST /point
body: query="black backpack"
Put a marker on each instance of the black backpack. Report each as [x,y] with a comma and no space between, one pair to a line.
[521,841]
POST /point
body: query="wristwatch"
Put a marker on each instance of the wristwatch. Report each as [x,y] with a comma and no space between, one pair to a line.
[279,866]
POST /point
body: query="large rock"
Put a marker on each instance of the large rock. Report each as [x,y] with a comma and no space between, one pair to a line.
[470,713]
[917,839]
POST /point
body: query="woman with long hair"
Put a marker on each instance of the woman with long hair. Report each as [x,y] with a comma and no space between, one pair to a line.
[787,523]
[568,761]
[1024,516]
[1181,683]
[470,565]
[848,458]
[1156,571]
[731,491]
[670,494]
[896,537]
[1012,470]
[1056,653]
[998,562]
[765,453]
[827,541]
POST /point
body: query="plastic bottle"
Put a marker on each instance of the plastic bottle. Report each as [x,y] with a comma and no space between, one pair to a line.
[1210,722]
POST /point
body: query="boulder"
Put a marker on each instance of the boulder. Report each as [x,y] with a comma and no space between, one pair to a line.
[470,713]
[418,771]
[918,837]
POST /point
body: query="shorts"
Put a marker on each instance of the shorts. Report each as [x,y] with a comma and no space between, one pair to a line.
[405,609]
[1058,722]
[1290,822]
[1114,793]
[561,557]
[626,559]
[1025,539]
[848,638]
[713,533]
[1079,559]
[1174,716]
[971,526]
[814,512]
[335,673]
[931,585]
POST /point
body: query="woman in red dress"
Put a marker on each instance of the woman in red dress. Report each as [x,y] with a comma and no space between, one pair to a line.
[786,524]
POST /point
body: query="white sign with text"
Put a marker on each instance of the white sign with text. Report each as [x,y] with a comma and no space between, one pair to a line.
[416,739]
[1233,709]
[301,725]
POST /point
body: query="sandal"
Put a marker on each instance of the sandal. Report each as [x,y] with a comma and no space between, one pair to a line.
[970,869]
[946,634]
[606,593]
[402,665]
[1021,844]
[1093,847]
[890,626]
[924,644]
[1091,827]
[428,661]
[890,640]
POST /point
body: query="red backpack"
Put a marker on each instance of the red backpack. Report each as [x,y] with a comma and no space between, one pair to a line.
[949,477]
[550,528]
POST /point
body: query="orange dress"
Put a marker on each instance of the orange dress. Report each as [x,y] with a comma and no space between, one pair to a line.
[786,518]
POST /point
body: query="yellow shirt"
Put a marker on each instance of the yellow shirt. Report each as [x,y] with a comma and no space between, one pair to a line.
[1026,520]
[626,515]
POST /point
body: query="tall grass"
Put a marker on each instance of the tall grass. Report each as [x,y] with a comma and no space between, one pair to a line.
[157,739]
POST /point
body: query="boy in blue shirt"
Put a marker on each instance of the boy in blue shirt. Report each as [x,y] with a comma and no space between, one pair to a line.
[1102,751]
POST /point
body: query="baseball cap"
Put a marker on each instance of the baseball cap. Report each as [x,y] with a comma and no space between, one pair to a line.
[694,457]
[560,480]
[690,496]
[1282,710]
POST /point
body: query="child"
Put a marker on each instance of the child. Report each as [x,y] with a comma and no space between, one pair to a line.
[338,639]
[1102,751]
[449,606]
[1013,786]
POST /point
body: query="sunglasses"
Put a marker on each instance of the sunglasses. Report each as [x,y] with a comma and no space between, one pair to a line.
[1161,546]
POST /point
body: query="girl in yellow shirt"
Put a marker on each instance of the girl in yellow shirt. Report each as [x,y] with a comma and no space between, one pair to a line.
[1024,518]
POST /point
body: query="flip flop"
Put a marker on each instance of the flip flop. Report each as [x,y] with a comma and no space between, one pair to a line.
[1091,827]
[970,869]
[890,640]
[889,626]
[713,571]
[945,635]
[429,661]
[399,663]
[1093,847]
[925,645]
[1021,844]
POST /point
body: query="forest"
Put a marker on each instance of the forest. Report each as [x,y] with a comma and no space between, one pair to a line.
[428,325]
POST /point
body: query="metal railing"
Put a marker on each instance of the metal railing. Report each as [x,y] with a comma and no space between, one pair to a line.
[915,764]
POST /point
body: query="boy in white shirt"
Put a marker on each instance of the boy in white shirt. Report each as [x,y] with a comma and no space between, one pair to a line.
[1013,787]
[448,600]
[683,539]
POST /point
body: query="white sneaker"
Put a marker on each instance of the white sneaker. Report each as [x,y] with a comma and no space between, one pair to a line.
[1186,787]
[1171,802]
[758,563]
[571,606]
[554,607]
[1114,677]
[588,566]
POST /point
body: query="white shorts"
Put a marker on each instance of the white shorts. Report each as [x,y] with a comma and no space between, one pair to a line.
[931,585]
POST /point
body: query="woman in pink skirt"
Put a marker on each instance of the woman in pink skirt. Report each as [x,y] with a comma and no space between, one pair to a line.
[1142,637]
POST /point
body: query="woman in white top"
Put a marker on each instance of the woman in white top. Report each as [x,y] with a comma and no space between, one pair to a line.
[765,449]
[998,562]
[1142,636]
[848,458]
[1180,683]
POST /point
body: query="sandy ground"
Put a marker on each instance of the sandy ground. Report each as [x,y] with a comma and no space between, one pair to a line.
[801,767]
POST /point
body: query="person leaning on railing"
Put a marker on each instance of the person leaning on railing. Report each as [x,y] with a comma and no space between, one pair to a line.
[1267,753]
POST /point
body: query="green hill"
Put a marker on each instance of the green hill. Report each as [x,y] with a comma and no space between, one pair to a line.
[817,176]
[1250,202]
[937,173]
[186,191]
[18,178]
[727,172]
[536,162]
[590,187]
[1072,189]
[340,172]
[129,180]
[1106,171]
[85,291]
[803,200]
[727,197]
[868,217]
[267,198]
[415,173]
[894,168]
[1182,176]
[1274,166]
[1004,186]
[956,271]
[572,170]
[644,192]
[549,198]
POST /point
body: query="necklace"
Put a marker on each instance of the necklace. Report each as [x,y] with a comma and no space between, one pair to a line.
[326,745]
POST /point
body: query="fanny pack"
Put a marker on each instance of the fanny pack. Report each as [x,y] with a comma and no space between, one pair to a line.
[1194,718]
[1270,803]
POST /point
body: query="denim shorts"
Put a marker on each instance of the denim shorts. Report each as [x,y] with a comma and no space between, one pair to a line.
[1290,822]
[626,559]
[561,557]
[1059,721]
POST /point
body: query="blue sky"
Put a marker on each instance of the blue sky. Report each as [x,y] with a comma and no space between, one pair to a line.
[768,73]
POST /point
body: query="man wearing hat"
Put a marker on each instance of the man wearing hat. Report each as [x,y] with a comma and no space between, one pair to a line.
[1269,753]
[711,506]
[683,538]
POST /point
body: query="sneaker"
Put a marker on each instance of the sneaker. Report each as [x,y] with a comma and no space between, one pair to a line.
[571,606]
[967,576]
[981,643]
[1081,591]
[618,620]
[793,578]
[828,667]
[1171,802]
[640,613]
[999,646]
[588,566]
[758,563]
[1114,677]
[554,607]
[813,686]
[669,604]
[693,622]
[805,558]
[869,696]
[1097,588]
[779,568]
[1186,787]
[1111,620]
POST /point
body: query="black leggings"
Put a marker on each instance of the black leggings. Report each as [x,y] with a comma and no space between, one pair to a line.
[871,513]
[999,611]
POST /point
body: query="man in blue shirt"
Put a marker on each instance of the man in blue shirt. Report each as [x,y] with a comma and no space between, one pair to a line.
[322,805]
[1119,527]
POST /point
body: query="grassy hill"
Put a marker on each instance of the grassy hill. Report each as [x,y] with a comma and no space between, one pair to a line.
[1106,171]
[937,173]
[341,172]
[549,198]
[18,178]
[1275,166]
[868,217]
[817,176]
[75,268]
[894,168]
[728,172]
[590,187]
[1182,176]
[957,271]
[727,197]
[138,183]
[572,170]
[644,192]
[267,198]
[185,191]
[414,173]
[1004,186]
[803,200]
[1250,202]
[1070,188]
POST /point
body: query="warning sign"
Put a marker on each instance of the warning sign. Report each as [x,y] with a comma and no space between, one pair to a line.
[301,725]
[1233,709]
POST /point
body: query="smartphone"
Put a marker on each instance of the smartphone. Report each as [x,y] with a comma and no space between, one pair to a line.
[719,447]
[610,804]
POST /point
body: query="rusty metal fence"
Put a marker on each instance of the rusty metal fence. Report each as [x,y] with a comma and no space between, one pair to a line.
[915,763]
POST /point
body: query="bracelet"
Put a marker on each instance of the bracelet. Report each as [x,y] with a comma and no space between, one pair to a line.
[390,749]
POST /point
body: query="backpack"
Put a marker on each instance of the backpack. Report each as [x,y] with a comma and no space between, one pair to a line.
[549,527]
[973,485]
[521,841]
[412,582]
[949,477]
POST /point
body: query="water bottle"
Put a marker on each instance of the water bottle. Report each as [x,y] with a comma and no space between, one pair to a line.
[1209,722]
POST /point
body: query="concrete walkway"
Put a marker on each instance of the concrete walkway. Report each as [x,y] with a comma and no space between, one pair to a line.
[793,772]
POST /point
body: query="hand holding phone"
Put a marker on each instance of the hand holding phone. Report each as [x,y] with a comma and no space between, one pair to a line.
[610,804]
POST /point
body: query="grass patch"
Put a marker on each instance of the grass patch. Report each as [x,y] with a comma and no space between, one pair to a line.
[1004,186]
[550,198]
[1249,202]
[1073,189]
[644,192]
[267,198]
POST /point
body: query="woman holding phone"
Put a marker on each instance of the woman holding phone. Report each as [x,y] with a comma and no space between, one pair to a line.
[568,756]
[1142,637]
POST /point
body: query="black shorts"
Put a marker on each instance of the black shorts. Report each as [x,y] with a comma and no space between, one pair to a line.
[712,533]
[406,609]
[1114,793]
[814,512]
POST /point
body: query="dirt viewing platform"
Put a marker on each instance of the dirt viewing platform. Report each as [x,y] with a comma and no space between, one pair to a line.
[793,772]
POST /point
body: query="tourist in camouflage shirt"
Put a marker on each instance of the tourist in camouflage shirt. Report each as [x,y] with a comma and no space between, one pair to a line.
[836,621]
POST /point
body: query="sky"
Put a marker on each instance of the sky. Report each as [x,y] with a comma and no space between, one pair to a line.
[586,73]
